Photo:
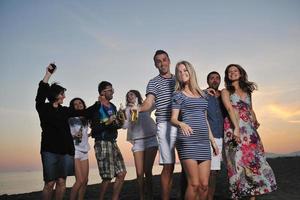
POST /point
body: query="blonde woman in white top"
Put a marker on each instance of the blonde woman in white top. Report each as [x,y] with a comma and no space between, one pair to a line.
[141,132]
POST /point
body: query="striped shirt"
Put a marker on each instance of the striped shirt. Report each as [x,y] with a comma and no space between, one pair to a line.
[162,88]
[193,113]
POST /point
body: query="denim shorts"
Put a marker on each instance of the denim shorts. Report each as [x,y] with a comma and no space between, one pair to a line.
[57,166]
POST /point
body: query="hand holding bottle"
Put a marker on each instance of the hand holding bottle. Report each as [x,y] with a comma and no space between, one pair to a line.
[78,137]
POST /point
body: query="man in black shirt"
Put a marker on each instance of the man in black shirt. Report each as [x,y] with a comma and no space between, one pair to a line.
[105,125]
[57,148]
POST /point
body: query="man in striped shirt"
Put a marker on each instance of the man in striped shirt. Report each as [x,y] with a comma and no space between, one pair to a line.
[159,93]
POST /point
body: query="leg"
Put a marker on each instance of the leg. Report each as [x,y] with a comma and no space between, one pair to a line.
[60,188]
[192,174]
[78,182]
[212,184]
[81,173]
[120,169]
[166,136]
[118,185]
[149,158]
[103,187]
[252,198]
[85,175]
[215,167]
[204,171]
[166,180]
[183,183]
[51,166]
[48,190]
[103,156]
[139,167]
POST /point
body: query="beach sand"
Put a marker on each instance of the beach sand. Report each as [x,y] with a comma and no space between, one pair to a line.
[286,169]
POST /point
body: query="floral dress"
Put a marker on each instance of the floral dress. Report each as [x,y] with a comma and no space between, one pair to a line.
[248,171]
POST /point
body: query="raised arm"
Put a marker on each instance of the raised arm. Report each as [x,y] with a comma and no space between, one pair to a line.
[232,115]
[43,89]
[48,74]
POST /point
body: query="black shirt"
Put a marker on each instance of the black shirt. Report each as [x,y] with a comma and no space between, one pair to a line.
[56,135]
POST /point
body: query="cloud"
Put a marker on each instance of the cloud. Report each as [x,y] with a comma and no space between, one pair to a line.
[283,113]
[92,25]
[271,91]
[294,121]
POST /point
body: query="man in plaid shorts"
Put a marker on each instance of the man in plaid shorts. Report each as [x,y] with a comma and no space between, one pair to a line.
[104,125]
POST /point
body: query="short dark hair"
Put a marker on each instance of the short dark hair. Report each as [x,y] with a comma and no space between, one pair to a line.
[211,73]
[54,90]
[102,85]
[158,52]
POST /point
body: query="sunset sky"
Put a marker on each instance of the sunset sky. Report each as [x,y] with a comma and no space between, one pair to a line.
[91,41]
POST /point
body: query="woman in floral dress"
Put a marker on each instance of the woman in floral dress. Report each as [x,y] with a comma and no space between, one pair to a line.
[248,171]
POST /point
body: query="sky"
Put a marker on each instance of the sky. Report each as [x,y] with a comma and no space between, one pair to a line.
[91,41]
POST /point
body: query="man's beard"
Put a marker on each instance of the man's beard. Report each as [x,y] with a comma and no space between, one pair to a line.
[215,86]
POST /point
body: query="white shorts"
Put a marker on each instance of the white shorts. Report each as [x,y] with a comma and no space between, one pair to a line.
[144,143]
[81,155]
[216,160]
[166,136]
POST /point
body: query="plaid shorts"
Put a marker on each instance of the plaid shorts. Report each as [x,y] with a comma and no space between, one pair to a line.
[109,159]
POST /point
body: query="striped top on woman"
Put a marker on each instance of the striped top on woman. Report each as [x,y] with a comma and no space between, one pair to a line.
[192,112]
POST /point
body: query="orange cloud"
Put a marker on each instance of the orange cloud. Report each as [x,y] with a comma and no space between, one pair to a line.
[284,113]
[294,121]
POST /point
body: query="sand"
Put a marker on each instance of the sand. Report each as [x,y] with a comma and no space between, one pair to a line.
[286,169]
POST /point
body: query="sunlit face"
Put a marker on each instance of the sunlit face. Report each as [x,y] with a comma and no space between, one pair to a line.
[131,98]
[234,73]
[60,98]
[162,63]
[108,92]
[78,105]
[183,74]
[214,81]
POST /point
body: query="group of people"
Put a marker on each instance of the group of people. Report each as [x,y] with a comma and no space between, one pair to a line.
[197,123]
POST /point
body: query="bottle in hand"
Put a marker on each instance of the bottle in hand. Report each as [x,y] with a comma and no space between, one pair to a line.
[79,137]
[53,68]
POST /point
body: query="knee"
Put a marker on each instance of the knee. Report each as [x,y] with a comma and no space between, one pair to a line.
[203,187]
[82,181]
[139,176]
[49,185]
[121,175]
[61,182]
[195,187]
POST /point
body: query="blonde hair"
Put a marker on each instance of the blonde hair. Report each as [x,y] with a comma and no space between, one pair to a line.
[193,83]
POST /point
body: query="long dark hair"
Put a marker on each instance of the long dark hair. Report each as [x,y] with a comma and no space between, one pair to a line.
[84,121]
[137,94]
[245,85]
